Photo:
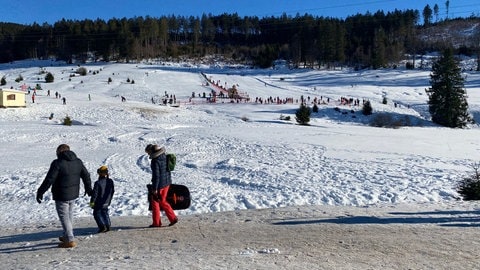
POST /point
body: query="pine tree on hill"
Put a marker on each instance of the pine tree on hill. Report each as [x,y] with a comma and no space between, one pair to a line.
[367,108]
[49,77]
[302,115]
[447,95]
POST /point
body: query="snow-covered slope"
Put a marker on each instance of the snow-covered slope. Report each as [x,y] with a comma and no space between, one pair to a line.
[232,155]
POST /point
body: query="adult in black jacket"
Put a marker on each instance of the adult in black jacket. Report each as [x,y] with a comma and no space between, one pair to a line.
[64,178]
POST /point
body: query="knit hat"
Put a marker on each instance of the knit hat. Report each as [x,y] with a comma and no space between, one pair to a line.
[102,170]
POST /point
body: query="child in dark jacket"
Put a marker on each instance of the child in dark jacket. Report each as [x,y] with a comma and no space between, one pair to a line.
[103,190]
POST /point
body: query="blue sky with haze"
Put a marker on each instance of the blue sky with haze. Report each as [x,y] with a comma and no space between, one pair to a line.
[51,11]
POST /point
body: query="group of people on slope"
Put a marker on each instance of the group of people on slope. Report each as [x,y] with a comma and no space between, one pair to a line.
[64,177]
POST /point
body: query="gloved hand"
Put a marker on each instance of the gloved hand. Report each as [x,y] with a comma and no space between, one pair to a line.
[39,198]
[89,193]
[156,196]
[92,205]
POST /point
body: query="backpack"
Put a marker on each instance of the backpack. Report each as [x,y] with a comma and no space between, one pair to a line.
[171,162]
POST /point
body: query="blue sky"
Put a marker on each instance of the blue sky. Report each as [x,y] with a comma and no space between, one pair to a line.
[50,11]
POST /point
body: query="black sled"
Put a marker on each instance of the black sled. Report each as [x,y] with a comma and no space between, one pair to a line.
[178,197]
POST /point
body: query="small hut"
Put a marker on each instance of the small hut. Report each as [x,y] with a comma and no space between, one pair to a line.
[10,98]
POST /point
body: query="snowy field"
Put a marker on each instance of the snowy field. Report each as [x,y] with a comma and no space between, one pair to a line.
[233,156]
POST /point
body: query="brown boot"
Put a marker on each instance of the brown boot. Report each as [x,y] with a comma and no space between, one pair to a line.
[70,244]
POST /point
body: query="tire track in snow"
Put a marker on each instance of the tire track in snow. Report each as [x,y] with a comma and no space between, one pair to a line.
[269,169]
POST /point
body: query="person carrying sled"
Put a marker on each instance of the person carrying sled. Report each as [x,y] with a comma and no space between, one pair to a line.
[64,177]
[102,195]
[161,181]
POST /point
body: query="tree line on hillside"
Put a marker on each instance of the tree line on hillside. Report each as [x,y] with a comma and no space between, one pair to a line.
[368,40]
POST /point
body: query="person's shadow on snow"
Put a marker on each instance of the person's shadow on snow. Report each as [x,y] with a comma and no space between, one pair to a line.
[32,241]
[41,240]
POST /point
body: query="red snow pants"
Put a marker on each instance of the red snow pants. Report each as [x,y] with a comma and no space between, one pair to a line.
[162,205]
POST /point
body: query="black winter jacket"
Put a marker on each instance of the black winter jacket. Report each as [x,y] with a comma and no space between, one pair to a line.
[161,177]
[64,178]
[103,190]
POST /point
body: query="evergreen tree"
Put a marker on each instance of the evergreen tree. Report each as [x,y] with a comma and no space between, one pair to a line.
[367,108]
[469,187]
[447,5]
[427,15]
[303,115]
[378,52]
[435,11]
[49,77]
[447,95]
[3,81]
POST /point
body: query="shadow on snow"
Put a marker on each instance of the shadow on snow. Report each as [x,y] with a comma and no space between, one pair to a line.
[25,242]
[441,218]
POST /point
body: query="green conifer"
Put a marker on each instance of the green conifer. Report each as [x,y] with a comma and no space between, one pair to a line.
[447,95]
[303,115]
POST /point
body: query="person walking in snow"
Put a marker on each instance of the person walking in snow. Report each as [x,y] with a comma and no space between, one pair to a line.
[161,181]
[64,177]
[102,195]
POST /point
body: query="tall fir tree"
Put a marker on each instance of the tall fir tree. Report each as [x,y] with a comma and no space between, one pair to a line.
[302,115]
[447,95]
